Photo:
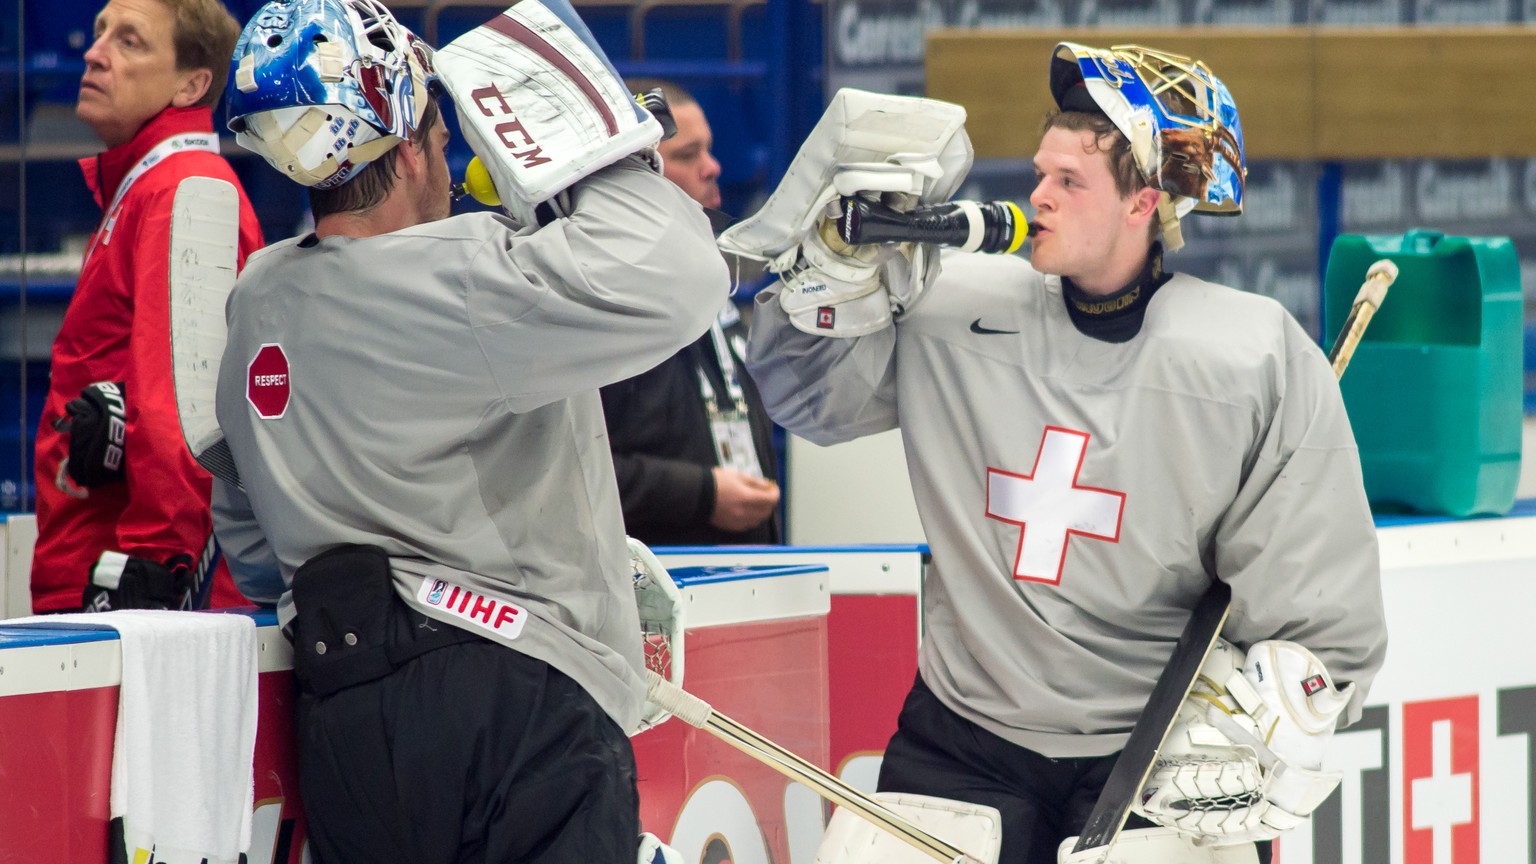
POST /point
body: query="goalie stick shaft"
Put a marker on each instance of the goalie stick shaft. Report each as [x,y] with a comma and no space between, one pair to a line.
[1366,302]
[1139,755]
[698,713]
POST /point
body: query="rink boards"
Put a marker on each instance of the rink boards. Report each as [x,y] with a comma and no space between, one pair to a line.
[816,647]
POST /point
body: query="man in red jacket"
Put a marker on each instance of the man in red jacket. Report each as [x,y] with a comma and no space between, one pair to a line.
[122,510]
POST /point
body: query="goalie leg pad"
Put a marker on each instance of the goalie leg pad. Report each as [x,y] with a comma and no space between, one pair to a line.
[1156,846]
[653,851]
[851,839]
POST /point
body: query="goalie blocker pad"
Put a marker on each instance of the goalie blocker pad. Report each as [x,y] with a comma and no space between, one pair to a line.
[540,104]
[877,143]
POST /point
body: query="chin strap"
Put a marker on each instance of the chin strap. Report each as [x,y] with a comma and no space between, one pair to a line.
[1168,218]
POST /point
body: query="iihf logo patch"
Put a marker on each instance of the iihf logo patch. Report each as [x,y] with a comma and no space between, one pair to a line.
[826,317]
[1313,685]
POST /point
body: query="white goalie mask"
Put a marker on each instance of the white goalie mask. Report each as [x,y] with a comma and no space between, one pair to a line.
[320,88]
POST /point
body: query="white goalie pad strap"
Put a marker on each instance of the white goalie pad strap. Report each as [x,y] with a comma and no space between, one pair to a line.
[874,141]
[1156,846]
[539,103]
[976,829]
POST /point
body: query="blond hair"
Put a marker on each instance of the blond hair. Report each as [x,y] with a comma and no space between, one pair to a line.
[204,36]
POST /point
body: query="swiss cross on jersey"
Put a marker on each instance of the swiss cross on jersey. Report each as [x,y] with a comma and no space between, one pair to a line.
[1049,505]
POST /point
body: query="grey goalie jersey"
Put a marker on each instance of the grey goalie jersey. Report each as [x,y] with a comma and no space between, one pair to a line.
[1079,496]
[433,391]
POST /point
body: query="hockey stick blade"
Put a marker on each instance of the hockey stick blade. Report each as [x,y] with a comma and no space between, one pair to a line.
[1136,761]
[205,236]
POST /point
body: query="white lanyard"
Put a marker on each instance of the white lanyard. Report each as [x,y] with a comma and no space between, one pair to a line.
[206,141]
[727,373]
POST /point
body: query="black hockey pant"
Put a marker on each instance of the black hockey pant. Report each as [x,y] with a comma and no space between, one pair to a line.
[462,751]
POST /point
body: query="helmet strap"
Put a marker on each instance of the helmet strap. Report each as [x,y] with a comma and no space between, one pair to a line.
[1168,217]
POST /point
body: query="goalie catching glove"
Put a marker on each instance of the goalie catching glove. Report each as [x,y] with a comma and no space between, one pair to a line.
[1242,760]
[661,624]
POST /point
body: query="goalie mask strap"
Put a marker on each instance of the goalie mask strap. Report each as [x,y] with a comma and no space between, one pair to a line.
[1168,218]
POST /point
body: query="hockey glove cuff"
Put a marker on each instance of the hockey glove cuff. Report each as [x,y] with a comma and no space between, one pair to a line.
[121,581]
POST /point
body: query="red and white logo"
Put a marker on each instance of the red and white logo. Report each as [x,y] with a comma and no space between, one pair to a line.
[826,317]
[491,614]
[266,382]
[1440,782]
[1049,506]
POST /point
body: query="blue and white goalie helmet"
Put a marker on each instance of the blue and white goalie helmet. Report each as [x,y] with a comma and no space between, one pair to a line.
[1179,117]
[320,88]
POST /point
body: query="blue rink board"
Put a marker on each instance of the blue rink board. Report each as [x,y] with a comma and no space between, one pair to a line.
[688,577]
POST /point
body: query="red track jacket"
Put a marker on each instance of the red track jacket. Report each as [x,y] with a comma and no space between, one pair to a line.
[117,328]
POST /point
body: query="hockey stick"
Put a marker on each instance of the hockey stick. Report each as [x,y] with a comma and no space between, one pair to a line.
[1377,280]
[205,237]
[698,713]
[1139,757]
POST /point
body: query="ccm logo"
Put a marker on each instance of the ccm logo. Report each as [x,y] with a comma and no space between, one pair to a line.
[511,132]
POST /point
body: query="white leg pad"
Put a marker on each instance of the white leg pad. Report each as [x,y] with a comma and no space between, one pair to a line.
[850,839]
[1156,846]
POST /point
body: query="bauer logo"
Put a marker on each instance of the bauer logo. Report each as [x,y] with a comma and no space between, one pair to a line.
[266,382]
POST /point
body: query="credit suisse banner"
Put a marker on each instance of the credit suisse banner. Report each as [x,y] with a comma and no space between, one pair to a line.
[815,649]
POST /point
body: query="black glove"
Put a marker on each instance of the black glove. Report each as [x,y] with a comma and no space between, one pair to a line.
[97,425]
[121,581]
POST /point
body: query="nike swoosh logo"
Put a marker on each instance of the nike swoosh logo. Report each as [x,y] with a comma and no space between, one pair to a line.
[977,328]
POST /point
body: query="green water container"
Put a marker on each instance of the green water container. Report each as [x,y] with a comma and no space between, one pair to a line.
[1435,389]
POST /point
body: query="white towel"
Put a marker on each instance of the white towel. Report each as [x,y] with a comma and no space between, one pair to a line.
[186,731]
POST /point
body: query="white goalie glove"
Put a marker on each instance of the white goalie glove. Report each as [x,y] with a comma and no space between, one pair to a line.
[540,104]
[907,151]
[1242,760]
[661,624]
